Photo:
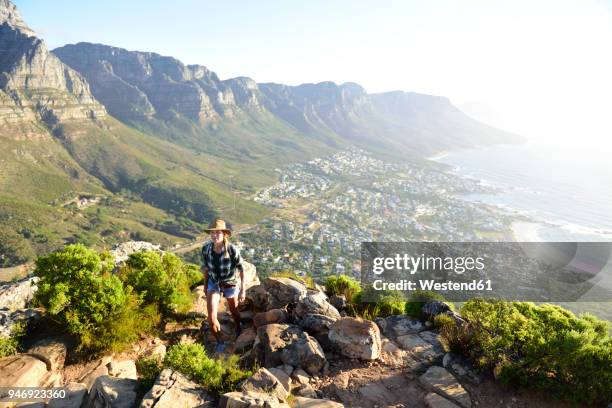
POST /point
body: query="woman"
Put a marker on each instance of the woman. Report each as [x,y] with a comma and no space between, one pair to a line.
[221,260]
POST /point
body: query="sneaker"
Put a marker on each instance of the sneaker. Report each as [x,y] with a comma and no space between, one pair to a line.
[220,347]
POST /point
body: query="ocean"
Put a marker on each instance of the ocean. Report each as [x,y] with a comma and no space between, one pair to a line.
[566,191]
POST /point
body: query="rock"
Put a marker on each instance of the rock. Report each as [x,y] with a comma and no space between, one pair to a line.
[282,377]
[173,389]
[199,307]
[258,297]
[288,344]
[156,350]
[271,316]
[8,319]
[89,376]
[433,308]
[318,326]
[377,393]
[51,351]
[75,394]
[422,353]
[314,303]
[300,376]
[245,341]
[433,400]
[250,275]
[440,381]
[338,301]
[461,368]
[305,390]
[394,326]
[302,402]
[108,392]
[356,338]
[248,400]
[433,338]
[17,295]
[123,369]
[288,369]
[284,291]
[122,252]
[264,381]
[22,371]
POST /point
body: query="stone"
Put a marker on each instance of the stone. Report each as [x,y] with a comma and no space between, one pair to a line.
[284,291]
[288,344]
[248,400]
[89,376]
[199,306]
[433,338]
[288,369]
[22,371]
[51,351]
[258,297]
[338,301]
[245,341]
[264,381]
[121,252]
[173,389]
[439,380]
[282,377]
[394,326]
[356,338]
[433,308]
[318,326]
[123,369]
[377,393]
[107,392]
[250,275]
[271,316]
[461,368]
[8,319]
[433,400]
[17,295]
[302,402]
[314,303]
[156,350]
[75,394]
[305,390]
[300,376]
[421,352]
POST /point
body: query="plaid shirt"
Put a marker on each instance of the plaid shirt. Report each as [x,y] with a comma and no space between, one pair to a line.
[228,265]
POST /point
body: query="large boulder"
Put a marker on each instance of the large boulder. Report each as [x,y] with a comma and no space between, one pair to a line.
[172,389]
[111,392]
[75,394]
[264,381]
[284,291]
[250,275]
[17,295]
[421,352]
[318,326]
[51,351]
[22,371]
[440,381]
[257,298]
[123,369]
[314,303]
[122,252]
[433,400]
[248,399]
[271,316]
[433,308]
[394,326]
[287,344]
[356,338]
[8,319]
[302,402]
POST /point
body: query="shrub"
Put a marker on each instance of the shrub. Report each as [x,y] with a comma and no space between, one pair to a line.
[79,291]
[371,303]
[163,280]
[418,298]
[545,346]
[342,285]
[219,376]
[10,345]
[148,369]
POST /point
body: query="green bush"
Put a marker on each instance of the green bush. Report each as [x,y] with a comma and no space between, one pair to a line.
[546,347]
[79,292]
[148,369]
[418,298]
[10,345]
[163,280]
[219,376]
[342,285]
[371,303]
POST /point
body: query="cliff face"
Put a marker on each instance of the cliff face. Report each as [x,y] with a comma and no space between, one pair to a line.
[34,84]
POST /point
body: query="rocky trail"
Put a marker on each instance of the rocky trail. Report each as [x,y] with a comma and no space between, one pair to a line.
[309,354]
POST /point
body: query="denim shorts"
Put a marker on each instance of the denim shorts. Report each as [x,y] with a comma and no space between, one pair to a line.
[227,292]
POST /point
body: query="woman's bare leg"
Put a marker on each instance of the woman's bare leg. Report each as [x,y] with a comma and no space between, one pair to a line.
[232,302]
[212,305]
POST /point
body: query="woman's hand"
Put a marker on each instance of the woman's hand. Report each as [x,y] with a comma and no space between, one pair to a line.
[241,295]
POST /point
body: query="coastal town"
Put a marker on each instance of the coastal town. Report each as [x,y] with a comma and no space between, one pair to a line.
[325,209]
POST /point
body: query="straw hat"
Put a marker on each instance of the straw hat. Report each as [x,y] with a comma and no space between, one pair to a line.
[218,225]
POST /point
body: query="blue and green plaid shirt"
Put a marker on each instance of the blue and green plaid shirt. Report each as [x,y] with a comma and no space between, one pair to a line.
[220,268]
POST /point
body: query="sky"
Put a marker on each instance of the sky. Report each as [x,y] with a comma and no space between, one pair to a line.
[539,68]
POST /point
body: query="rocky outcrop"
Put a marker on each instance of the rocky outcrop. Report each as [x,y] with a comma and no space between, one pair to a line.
[264,381]
[112,392]
[248,399]
[356,338]
[173,389]
[122,252]
[283,291]
[17,295]
[440,381]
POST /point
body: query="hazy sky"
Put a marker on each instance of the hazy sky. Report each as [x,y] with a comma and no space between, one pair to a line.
[540,68]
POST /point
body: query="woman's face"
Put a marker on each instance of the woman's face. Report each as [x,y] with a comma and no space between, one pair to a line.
[216,236]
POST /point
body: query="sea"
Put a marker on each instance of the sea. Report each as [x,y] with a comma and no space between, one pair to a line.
[565,191]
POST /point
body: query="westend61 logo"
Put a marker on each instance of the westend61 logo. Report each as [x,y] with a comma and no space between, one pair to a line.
[541,272]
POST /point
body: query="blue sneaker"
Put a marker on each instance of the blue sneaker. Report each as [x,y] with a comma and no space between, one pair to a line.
[220,347]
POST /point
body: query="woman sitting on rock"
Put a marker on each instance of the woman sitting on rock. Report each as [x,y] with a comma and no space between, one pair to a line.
[221,260]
